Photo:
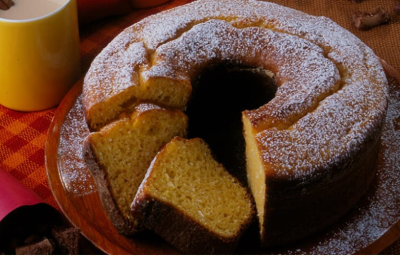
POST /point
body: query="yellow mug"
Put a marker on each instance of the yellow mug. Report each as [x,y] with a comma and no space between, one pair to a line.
[39,53]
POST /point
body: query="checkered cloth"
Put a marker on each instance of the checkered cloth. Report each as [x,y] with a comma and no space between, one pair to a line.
[22,143]
[23,135]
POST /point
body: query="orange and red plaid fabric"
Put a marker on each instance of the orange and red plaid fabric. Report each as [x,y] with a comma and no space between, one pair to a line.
[22,143]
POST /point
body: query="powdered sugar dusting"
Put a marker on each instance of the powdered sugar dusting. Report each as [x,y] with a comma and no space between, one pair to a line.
[113,71]
[328,79]
[302,71]
[73,169]
[332,94]
[376,213]
[189,28]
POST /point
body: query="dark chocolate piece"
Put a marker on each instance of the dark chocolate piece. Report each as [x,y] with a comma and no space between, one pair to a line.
[6,4]
[368,20]
[67,239]
[44,247]
[396,8]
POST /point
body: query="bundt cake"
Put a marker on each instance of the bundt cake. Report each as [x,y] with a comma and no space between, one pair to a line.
[311,150]
[120,153]
[190,200]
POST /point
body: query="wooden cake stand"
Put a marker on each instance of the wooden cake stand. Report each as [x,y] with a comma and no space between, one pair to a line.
[370,226]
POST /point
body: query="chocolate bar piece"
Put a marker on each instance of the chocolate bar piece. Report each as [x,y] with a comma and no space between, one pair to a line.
[44,247]
[67,239]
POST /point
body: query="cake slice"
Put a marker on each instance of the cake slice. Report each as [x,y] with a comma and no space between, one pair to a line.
[120,153]
[190,200]
[114,82]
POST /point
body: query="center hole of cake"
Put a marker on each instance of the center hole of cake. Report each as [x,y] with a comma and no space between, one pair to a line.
[220,94]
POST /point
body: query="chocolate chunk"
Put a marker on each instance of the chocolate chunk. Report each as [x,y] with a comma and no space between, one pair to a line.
[6,4]
[44,247]
[368,20]
[396,8]
[35,238]
[67,239]
[3,6]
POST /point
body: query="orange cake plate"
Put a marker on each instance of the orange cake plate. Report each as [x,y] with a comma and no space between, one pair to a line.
[370,226]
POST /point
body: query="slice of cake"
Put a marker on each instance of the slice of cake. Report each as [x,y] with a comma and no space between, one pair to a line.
[121,152]
[190,200]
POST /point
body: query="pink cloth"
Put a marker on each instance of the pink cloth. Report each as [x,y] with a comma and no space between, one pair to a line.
[14,195]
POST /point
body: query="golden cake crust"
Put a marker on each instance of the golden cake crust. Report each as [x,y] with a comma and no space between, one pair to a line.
[318,135]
